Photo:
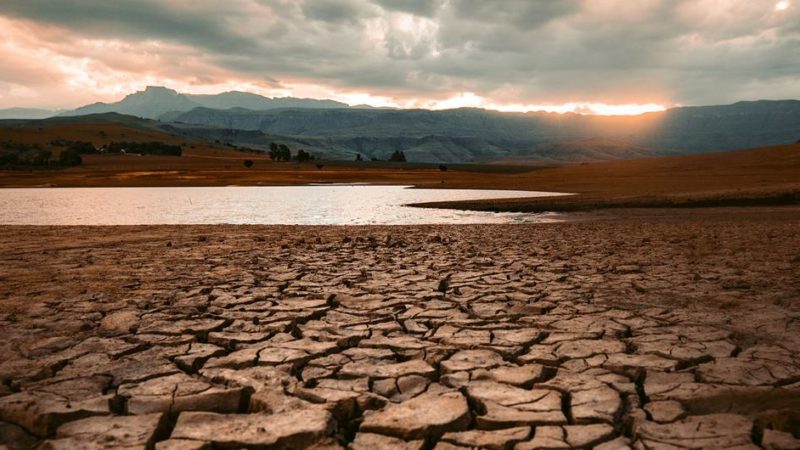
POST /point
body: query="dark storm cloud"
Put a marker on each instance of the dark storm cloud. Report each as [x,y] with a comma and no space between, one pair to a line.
[141,19]
[510,51]
[524,14]
[426,8]
[335,10]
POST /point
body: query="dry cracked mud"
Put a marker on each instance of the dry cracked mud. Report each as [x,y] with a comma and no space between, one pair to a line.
[645,335]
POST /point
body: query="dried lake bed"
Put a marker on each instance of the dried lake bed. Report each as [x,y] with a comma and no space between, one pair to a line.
[620,334]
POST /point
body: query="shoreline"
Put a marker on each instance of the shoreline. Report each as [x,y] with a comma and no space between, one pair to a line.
[583,203]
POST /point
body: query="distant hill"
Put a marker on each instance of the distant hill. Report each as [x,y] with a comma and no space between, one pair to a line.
[475,135]
[150,103]
[460,135]
[156,101]
[26,113]
[246,100]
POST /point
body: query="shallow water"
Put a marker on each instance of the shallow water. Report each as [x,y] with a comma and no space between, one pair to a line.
[279,205]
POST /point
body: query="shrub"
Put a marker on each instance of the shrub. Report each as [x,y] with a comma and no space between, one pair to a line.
[442,167]
[248,163]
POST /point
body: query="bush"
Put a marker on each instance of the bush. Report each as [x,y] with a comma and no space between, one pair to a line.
[442,167]
[248,163]
[319,166]
[358,157]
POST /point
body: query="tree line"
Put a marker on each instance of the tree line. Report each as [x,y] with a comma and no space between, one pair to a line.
[281,152]
[34,155]
[396,156]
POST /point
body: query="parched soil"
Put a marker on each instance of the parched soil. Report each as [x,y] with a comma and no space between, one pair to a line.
[642,332]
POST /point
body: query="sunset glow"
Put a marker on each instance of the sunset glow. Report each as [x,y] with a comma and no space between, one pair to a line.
[471,100]
[384,54]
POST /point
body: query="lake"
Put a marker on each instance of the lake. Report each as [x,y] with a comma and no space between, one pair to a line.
[279,205]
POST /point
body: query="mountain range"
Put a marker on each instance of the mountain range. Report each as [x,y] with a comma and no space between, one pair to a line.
[334,130]
[476,135]
[26,113]
[155,101]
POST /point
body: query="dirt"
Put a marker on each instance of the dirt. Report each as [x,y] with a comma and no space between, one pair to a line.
[636,329]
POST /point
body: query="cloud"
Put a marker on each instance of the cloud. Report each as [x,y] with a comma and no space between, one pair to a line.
[422,8]
[406,52]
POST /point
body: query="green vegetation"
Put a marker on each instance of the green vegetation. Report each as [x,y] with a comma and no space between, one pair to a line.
[248,163]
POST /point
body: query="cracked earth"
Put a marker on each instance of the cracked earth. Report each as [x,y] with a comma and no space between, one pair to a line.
[645,335]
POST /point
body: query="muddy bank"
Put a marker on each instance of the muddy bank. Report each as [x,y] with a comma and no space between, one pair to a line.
[581,203]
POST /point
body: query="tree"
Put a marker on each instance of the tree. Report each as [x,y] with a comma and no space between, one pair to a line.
[248,163]
[273,151]
[303,156]
[9,159]
[70,158]
[358,157]
[82,148]
[398,156]
[279,152]
[284,152]
[442,167]
[42,158]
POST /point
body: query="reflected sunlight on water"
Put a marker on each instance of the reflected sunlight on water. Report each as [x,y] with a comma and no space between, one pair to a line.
[279,205]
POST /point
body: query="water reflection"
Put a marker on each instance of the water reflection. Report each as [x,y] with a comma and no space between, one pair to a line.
[303,205]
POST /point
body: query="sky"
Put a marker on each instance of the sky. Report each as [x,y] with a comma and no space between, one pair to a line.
[590,56]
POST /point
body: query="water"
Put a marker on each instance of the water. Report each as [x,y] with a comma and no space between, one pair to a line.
[286,205]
